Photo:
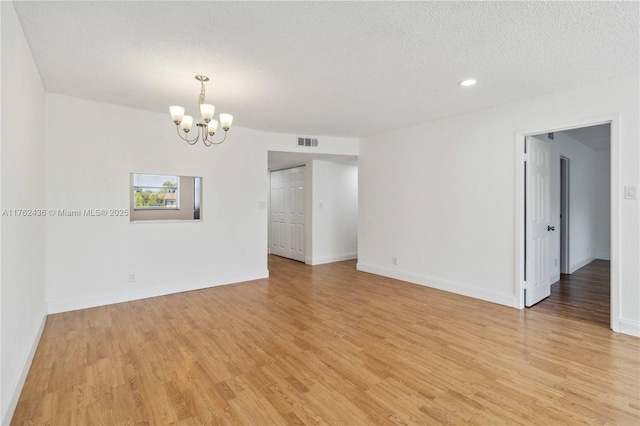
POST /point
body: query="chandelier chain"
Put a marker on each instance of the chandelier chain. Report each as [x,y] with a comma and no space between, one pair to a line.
[202,93]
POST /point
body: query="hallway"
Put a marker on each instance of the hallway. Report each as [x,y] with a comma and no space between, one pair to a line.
[583,295]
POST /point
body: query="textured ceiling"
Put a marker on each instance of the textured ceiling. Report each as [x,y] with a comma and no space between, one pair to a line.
[327,68]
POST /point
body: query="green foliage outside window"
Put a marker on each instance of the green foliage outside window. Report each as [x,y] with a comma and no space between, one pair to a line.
[145,197]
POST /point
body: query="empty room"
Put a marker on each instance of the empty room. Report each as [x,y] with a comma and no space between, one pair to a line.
[349,213]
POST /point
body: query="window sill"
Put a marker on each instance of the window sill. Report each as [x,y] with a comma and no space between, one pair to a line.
[165,221]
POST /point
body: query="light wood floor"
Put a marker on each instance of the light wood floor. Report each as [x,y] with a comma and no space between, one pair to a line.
[327,344]
[583,295]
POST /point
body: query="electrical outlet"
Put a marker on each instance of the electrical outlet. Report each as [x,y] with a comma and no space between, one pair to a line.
[132,277]
[394,261]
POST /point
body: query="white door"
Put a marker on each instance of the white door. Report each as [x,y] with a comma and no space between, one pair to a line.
[538,198]
[287,213]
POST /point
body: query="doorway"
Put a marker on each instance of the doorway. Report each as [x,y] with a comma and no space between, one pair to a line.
[329,200]
[573,252]
[287,213]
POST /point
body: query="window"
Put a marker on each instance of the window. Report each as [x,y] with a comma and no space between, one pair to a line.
[164,197]
[156,191]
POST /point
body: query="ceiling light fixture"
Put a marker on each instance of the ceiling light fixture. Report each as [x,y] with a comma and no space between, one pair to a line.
[469,82]
[207,126]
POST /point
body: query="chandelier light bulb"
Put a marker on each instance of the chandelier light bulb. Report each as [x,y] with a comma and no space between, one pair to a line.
[225,121]
[177,112]
[207,111]
[212,127]
[187,122]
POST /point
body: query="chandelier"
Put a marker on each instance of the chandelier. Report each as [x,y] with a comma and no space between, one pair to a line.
[207,126]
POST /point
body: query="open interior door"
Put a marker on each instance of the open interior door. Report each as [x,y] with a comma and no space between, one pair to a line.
[538,198]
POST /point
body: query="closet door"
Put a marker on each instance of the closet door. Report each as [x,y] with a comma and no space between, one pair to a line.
[287,213]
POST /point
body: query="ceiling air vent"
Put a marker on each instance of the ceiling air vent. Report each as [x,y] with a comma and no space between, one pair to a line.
[307,142]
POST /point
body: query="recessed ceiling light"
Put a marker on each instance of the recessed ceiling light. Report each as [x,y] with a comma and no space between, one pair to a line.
[469,82]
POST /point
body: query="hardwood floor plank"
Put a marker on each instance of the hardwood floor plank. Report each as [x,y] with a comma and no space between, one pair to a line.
[331,345]
[583,295]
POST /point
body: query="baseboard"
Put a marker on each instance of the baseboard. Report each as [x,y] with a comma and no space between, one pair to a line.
[15,389]
[555,278]
[630,327]
[579,264]
[603,256]
[56,306]
[319,260]
[440,284]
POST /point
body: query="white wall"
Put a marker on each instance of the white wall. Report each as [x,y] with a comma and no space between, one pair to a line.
[441,196]
[88,166]
[334,212]
[22,290]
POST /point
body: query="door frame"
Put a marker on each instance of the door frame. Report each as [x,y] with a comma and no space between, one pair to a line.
[614,121]
[565,195]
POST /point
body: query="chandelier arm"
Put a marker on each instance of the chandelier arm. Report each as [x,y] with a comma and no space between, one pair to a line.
[218,143]
[186,139]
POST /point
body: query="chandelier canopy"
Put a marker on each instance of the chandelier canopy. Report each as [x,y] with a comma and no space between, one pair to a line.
[207,126]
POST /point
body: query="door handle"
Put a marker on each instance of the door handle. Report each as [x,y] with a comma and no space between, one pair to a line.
[551,228]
